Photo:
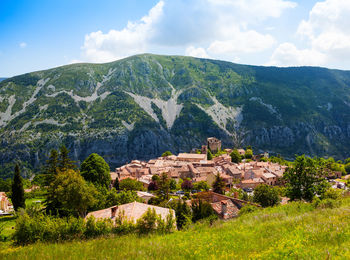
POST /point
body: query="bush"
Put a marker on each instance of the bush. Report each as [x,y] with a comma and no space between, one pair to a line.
[123,225]
[187,185]
[36,193]
[98,227]
[130,184]
[150,222]
[266,196]
[235,156]
[201,209]
[166,153]
[328,204]
[247,209]
[347,167]
[183,214]
[332,194]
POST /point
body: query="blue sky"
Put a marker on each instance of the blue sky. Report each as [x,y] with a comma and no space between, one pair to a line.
[41,34]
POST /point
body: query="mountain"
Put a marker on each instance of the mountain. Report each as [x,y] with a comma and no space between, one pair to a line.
[1,79]
[143,105]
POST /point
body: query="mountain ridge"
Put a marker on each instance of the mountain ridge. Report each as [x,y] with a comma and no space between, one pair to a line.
[140,106]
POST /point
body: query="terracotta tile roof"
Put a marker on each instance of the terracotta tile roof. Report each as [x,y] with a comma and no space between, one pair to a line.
[132,211]
[231,210]
[192,156]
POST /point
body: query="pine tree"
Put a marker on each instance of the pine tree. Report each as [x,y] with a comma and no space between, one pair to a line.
[52,162]
[17,196]
[163,186]
[65,163]
[51,167]
[116,184]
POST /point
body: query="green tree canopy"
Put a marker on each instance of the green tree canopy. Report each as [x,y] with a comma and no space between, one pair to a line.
[51,167]
[163,186]
[209,155]
[248,154]
[201,209]
[172,184]
[235,156]
[219,184]
[95,169]
[304,179]
[266,196]
[116,184]
[17,195]
[65,163]
[166,153]
[130,184]
[72,192]
[201,185]
[347,168]
[183,214]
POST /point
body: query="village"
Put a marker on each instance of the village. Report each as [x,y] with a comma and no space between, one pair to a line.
[196,167]
[205,165]
[245,175]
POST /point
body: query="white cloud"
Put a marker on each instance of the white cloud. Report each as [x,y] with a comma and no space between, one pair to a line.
[100,47]
[218,28]
[287,54]
[255,9]
[23,45]
[196,52]
[242,42]
[326,34]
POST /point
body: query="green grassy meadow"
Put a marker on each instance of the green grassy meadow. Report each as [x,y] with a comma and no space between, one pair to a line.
[292,231]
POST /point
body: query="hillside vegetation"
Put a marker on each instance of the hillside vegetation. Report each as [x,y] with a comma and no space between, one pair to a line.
[144,105]
[296,230]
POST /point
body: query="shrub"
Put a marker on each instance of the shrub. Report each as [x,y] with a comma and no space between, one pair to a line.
[247,209]
[187,185]
[201,209]
[46,228]
[235,156]
[328,204]
[332,194]
[148,222]
[183,214]
[166,153]
[266,196]
[123,225]
[98,227]
[347,167]
[130,184]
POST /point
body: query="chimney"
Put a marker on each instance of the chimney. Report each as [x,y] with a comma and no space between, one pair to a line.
[114,211]
[223,208]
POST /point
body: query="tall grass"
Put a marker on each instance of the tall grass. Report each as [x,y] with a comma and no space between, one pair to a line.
[293,231]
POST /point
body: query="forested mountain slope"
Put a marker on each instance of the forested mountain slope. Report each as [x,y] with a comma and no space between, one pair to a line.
[141,106]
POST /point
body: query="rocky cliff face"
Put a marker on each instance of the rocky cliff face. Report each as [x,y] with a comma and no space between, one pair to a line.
[143,105]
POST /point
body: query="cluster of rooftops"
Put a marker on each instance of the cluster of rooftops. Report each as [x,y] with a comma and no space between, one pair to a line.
[198,168]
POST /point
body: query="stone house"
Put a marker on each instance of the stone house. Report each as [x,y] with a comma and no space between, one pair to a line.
[4,202]
[225,207]
[191,157]
[131,211]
